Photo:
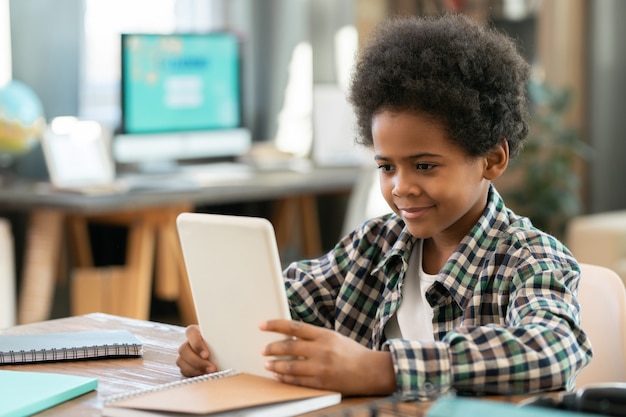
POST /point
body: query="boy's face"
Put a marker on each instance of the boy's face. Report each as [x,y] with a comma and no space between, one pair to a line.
[433,184]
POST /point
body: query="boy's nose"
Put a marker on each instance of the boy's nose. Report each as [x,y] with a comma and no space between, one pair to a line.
[402,184]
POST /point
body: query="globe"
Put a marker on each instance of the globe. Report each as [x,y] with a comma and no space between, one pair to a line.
[22,120]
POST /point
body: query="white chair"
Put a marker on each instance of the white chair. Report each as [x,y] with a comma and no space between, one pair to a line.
[7,276]
[602,298]
[599,239]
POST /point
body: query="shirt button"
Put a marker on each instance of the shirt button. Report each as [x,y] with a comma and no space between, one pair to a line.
[428,386]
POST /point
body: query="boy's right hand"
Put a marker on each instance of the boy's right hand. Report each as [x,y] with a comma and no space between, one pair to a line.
[193,354]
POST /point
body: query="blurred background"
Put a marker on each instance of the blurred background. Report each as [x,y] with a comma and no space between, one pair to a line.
[67,52]
[63,57]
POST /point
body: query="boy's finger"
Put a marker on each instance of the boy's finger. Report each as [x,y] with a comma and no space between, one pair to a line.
[291,328]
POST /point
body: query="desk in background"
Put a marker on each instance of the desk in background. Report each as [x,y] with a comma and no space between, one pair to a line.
[117,376]
[150,216]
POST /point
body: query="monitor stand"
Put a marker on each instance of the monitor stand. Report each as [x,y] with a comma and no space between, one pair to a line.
[161,152]
[157,167]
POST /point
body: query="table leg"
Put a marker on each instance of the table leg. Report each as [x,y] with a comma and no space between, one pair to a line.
[41,255]
[168,255]
[309,219]
[171,280]
[297,218]
[80,243]
[136,290]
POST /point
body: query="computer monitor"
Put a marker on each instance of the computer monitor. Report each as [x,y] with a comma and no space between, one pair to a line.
[180,98]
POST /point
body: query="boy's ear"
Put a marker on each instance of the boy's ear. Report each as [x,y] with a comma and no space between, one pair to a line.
[497,160]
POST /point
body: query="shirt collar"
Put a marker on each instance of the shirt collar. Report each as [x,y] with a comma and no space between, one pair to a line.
[400,250]
[459,274]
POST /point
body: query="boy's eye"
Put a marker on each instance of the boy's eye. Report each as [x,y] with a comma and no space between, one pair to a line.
[385,167]
[424,167]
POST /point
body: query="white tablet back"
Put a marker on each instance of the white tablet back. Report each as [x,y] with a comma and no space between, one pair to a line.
[236,281]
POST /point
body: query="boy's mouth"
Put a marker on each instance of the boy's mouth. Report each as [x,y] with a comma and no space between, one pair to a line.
[412,213]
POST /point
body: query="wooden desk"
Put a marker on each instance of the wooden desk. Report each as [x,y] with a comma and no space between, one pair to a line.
[150,216]
[157,366]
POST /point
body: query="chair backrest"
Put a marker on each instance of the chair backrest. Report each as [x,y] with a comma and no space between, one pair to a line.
[602,298]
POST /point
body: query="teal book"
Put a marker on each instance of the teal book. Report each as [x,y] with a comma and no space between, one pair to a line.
[26,393]
[473,407]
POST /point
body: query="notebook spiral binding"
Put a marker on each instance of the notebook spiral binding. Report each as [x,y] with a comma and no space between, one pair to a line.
[75,353]
[166,386]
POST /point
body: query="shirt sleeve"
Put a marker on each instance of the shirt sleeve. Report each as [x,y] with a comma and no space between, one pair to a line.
[312,287]
[423,369]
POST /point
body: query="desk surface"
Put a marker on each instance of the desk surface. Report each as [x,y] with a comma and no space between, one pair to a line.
[26,195]
[157,366]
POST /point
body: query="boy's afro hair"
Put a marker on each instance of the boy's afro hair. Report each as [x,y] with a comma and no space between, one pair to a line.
[463,75]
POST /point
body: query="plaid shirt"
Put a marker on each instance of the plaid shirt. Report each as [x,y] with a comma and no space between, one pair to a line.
[506,318]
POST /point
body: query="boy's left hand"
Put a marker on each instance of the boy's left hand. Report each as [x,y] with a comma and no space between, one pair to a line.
[327,360]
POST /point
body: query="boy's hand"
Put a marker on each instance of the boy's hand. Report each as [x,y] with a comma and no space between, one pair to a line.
[193,355]
[327,360]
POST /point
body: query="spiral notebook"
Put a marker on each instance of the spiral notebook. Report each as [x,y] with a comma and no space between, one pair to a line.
[225,393]
[48,347]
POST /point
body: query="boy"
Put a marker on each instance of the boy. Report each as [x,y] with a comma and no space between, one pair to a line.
[452,290]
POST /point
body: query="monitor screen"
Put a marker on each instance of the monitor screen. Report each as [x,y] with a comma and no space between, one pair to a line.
[180,82]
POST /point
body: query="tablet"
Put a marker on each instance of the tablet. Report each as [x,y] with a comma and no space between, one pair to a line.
[236,282]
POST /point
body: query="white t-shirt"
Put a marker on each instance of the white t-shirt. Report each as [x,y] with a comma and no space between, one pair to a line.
[414,318]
